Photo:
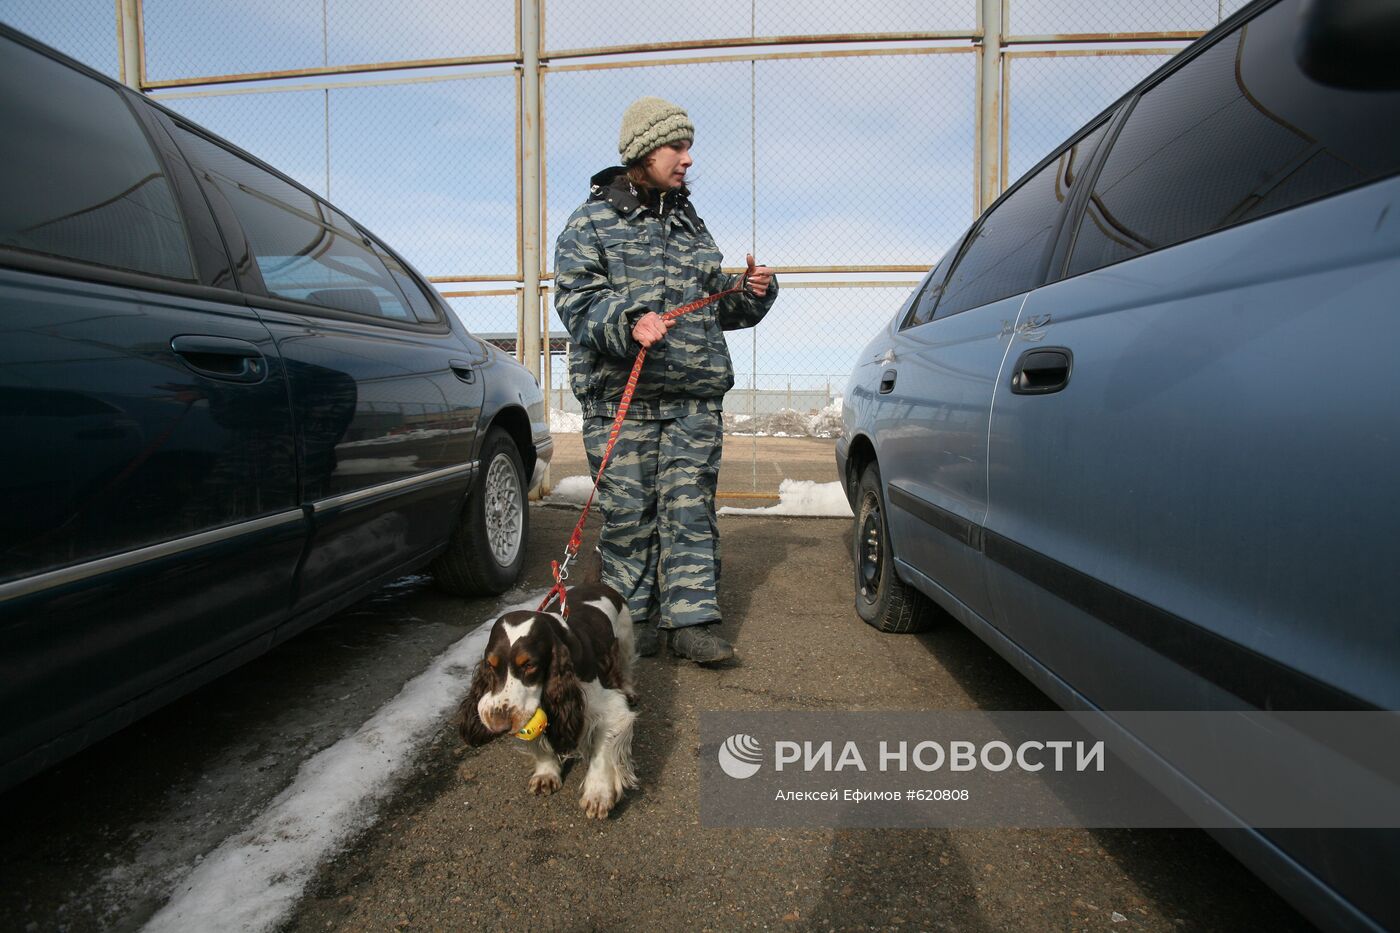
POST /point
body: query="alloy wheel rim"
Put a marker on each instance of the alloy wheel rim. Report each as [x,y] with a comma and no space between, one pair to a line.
[504,510]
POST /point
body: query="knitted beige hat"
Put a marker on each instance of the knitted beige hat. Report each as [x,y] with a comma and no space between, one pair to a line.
[651,122]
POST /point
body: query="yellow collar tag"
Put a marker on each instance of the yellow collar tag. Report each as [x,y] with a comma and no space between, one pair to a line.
[535,727]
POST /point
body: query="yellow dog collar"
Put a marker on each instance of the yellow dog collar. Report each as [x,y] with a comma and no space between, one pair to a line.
[535,727]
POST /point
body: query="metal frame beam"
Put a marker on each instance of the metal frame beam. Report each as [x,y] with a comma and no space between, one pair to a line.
[131,47]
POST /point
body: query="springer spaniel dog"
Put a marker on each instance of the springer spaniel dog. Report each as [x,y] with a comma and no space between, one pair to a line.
[579,671]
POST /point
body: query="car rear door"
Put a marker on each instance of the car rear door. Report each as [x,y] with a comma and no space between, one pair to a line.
[935,395]
[385,395]
[151,524]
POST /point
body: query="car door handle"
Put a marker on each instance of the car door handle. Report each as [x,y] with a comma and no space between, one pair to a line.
[463,370]
[1042,370]
[887,382]
[227,359]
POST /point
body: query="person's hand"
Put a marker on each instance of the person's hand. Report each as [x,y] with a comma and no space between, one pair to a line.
[650,328]
[757,278]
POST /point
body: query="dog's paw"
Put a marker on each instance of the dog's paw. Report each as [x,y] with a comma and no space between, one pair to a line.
[598,803]
[542,785]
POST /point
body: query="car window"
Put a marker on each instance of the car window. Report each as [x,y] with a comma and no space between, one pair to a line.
[1236,133]
[931,289]
[417,301]
[1006,253]
[80,179]
[306,250]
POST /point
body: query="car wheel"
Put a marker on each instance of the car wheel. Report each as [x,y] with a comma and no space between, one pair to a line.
[487,548]
[881,598]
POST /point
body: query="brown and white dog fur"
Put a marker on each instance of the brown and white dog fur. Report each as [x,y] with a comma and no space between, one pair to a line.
[580,671]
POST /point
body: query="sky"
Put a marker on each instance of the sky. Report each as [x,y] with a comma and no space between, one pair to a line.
[808,161]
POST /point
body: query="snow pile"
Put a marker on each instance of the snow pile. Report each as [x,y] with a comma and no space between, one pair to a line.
[571,490]
[254,879]
[788,422]
[565,422]
[802,497]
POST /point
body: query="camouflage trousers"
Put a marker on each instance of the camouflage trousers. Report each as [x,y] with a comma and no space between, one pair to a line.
[660,541]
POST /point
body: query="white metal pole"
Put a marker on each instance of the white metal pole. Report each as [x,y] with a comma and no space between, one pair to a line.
[129,34]
[989,104]
[530,158]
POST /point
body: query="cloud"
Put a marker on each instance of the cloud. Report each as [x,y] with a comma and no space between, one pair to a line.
[1039,17]
[189,38]
[368,31]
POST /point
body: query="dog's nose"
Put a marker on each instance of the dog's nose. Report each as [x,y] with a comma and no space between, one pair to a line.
[497,719]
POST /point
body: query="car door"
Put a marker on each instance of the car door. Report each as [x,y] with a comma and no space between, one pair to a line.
[1201,515]
[935,395]
[1212,474]
[151,524]
[371,366]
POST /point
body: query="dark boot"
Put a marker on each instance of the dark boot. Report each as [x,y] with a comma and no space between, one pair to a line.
[701,644]
[645,640]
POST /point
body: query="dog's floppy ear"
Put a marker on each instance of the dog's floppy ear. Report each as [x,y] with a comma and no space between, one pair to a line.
[563,697]
[469,725]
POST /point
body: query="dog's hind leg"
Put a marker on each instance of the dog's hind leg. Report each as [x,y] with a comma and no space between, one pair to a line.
[548,775]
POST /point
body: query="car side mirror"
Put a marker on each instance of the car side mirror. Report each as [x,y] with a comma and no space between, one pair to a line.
[1349,44]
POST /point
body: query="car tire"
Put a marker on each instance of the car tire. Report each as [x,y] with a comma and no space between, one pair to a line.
[882,599]
[487,548]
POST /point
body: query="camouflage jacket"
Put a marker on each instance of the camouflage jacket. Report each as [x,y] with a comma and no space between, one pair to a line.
[618,258]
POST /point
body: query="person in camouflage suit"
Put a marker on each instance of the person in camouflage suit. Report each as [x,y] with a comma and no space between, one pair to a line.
[634,249]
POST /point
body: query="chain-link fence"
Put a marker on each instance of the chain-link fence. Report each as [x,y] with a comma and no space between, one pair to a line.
[845,144]
[88,30]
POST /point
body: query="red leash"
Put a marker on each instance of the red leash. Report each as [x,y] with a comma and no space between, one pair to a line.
[561,571]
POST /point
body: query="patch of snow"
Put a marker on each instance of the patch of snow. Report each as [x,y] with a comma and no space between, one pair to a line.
[802,497]
[788,422]
[565,422]
[571,489]
[253,880]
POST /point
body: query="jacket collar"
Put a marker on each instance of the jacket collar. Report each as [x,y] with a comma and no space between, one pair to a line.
[613,186]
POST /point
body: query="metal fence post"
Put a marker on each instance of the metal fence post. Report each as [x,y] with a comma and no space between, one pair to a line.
[530,182]
[989,103]
[131,43]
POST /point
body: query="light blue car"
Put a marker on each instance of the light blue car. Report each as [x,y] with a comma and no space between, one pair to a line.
[1140,428]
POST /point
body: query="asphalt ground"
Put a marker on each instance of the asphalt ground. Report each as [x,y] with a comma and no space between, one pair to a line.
[97,842]
[463,845]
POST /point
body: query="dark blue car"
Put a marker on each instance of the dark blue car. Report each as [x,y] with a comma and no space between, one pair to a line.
[227,409]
